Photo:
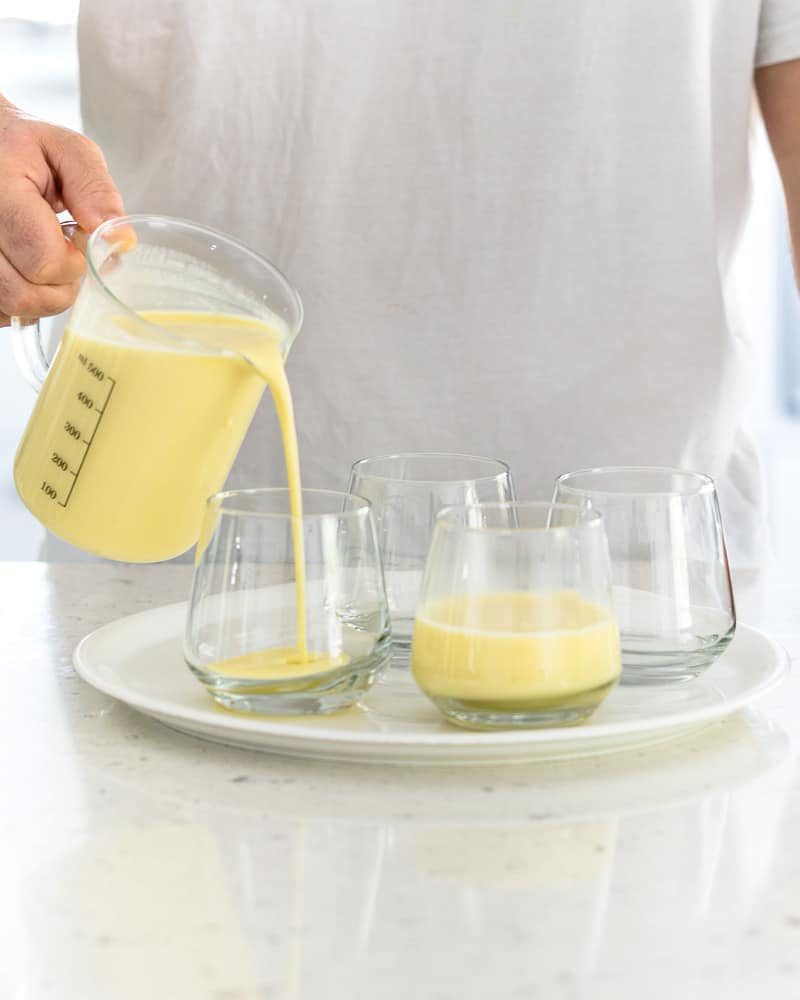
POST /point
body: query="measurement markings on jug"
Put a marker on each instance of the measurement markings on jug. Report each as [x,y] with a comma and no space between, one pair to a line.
[73,430]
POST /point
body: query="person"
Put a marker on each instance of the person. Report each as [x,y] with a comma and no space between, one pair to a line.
[512,223]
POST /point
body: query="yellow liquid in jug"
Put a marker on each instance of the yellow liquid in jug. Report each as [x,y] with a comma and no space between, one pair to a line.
[127,440]
[504,649]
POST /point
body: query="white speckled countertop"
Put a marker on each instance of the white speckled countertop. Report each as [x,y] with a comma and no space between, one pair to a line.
[138,863]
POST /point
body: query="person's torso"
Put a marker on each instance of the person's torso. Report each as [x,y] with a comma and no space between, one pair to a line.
[508,220]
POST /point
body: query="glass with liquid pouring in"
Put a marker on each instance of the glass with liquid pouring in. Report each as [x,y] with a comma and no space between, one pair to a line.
[176,332]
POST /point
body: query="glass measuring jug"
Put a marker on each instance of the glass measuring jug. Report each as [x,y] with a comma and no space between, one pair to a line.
[164,359]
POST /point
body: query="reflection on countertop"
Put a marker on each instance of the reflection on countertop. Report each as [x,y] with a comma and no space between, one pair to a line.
[144,863]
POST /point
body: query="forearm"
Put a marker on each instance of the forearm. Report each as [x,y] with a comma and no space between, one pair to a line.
[779,95]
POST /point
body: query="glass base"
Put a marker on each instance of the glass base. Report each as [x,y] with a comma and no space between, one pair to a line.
[309,695]
[643,665]
[531,713]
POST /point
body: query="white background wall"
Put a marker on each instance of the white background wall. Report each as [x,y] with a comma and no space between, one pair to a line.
[39,72]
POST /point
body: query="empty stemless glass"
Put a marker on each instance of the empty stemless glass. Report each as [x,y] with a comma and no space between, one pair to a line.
[407,491]
[515,625]
[672,585]
[262,637]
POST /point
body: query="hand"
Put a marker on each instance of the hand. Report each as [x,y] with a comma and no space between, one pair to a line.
[45,169]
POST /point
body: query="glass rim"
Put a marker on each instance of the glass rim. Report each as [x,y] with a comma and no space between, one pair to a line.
[704,484]
[174,222]
[585,518]
[358,505]
[503,468]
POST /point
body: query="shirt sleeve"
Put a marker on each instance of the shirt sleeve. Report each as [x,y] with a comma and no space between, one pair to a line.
[778,32]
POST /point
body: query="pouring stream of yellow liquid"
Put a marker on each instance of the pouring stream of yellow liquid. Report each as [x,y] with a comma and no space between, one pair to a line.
[261,346]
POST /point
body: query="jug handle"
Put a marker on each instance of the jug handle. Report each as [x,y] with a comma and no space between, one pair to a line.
[26,335]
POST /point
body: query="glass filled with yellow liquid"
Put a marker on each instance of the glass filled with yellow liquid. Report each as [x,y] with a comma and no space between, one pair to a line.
[176,333]
[272,631]
[515,625]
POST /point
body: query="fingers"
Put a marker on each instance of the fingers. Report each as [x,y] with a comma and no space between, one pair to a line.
[30,236]
[42,168]
[32,240]
[19,297]
[85,185]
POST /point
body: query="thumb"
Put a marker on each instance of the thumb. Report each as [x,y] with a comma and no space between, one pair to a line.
[87,189]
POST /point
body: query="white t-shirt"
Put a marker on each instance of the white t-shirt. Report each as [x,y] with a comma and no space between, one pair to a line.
[511,222]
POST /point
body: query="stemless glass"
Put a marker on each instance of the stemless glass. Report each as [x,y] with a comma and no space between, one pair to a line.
[406,492]
[247,621]
[672,584]
[515,625]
